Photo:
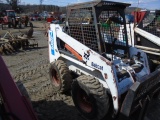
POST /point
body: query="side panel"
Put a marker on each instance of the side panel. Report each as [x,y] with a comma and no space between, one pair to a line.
[139,55]
[80,68]
[52,44]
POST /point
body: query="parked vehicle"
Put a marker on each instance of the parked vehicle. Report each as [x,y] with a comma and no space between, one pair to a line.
[44,15]
[35,17]
[9,18]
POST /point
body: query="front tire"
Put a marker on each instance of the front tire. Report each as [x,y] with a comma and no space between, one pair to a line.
[60,76]
[90,98]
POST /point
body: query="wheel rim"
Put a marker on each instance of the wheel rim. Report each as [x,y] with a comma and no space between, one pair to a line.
[84,101]
[55,78]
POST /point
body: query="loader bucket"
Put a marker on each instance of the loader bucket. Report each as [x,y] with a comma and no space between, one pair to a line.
[139,95]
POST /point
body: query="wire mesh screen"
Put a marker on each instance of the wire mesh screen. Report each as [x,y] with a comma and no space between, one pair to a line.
[112,28]
[151,24]
[82,27]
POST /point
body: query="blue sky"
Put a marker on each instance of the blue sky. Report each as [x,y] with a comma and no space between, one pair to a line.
[150,4]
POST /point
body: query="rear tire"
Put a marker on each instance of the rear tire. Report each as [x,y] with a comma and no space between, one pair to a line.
[90,98]
[60,76]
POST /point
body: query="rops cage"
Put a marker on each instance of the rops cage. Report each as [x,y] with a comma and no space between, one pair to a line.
[100,25]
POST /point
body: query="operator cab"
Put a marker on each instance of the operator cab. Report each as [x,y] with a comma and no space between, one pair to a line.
[10,13]
[100,25]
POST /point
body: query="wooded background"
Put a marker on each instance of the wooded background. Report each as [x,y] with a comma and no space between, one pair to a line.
[14,4]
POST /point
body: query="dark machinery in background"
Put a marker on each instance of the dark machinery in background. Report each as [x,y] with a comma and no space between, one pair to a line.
[147,35]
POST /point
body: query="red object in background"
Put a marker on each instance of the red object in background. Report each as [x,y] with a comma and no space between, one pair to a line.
[50,19]
[35,17]
[138,16]
[15,105]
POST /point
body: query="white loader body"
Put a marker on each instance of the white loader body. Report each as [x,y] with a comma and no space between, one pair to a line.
[94,64]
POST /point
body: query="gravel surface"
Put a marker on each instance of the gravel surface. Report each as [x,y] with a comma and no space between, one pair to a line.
[31,68]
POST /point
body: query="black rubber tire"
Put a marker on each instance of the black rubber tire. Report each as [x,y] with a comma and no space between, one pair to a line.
[97,104]
[60,76]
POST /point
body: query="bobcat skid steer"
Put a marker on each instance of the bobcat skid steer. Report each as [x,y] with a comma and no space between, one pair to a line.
[92,58]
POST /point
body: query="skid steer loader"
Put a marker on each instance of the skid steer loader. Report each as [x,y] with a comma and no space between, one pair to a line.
[92,58]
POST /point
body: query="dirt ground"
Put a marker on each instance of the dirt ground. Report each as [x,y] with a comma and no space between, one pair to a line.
[31,68]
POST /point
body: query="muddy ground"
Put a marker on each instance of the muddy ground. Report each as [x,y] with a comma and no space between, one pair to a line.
[31,68]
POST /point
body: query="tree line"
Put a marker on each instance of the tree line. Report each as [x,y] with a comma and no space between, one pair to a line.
[13,4]
[32,8]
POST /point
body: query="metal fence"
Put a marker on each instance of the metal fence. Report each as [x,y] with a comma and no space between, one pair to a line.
[98,25]
[151,23]
[82,28]
[112,27]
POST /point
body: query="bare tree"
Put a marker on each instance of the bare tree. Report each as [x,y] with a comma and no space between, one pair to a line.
[40,7]
[40,1]
[13,4]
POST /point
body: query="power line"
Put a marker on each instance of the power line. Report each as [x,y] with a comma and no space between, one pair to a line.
[138,4]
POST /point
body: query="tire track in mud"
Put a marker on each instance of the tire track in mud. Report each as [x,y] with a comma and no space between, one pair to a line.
[31,68]
[47,104]
[22,64]
[36,81]
[30,72]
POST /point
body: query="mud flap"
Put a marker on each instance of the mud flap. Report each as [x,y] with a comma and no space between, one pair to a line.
[139,96]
